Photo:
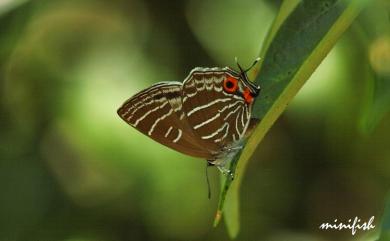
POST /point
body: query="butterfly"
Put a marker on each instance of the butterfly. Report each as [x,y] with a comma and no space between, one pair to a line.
[206,116]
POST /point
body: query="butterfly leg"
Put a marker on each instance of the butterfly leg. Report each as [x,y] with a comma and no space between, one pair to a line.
[233,149]
[225,171]
[222,165]
[210,163]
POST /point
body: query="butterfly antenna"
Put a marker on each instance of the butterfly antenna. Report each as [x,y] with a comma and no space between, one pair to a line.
[239,66]
[207,179]
[254,63]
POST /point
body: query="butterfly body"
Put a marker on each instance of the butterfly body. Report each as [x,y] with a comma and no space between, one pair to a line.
[206,116]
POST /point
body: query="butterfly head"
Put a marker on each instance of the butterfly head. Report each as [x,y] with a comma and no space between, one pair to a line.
[241,85]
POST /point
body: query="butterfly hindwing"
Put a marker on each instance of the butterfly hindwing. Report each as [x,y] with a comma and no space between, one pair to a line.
[156,113]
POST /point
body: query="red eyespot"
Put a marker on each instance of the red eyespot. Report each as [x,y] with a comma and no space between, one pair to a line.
[230,84]
[248,96]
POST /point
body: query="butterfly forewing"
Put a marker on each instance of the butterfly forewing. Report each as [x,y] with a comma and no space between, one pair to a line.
[218,118]
[156,112]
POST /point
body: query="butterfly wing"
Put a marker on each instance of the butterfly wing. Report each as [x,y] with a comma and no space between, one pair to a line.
[218,118]
[156,113]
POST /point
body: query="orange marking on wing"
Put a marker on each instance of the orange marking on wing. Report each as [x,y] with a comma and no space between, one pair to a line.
[248,96]
[230,84]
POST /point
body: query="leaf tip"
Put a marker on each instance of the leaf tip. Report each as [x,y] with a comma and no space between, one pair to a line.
[217,218]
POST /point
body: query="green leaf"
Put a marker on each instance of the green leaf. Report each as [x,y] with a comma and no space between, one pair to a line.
[285,9]
[378,102]
[378,42]
[7,6]
[298,45]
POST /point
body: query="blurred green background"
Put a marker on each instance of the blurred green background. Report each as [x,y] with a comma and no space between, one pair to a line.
[72,170]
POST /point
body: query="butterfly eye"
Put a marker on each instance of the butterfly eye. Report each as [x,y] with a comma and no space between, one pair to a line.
[230,84]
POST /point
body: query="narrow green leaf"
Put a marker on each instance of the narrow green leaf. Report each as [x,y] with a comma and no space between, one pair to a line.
[7,6]
[378,42]
[285,9]
[378,102]
[299,45]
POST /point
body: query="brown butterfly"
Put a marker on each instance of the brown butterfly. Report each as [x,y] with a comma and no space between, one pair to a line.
[206,116]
